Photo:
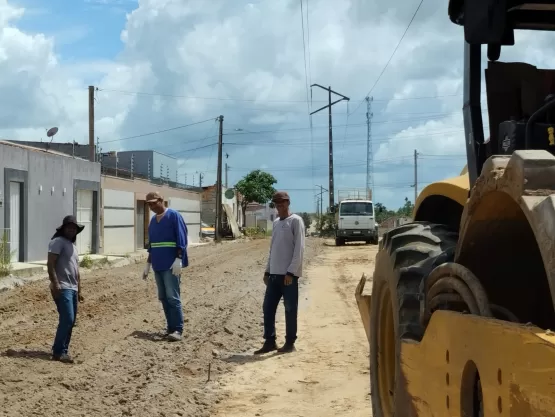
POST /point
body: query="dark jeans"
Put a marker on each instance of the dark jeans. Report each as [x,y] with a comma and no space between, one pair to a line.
[66,303]
[290,293]
[169,295]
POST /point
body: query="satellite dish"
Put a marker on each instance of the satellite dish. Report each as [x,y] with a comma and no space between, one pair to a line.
[229,194]
[52,131]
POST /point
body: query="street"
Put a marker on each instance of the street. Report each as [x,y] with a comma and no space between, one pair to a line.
[124,369]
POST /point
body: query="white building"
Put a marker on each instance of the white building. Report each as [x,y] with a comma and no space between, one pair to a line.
[261,215]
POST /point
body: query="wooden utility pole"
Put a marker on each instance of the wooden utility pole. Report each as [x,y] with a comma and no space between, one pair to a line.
[329,90]
[91,123]
[415,175]
[219,183]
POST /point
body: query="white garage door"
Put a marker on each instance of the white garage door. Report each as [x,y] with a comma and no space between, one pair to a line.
[15,219]
[84,217]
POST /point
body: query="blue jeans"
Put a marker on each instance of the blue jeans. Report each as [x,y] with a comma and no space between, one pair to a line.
[169,295]
[66,303]
[290,293]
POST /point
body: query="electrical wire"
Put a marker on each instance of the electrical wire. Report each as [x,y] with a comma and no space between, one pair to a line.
[392,55]
[157,132]
[140,93]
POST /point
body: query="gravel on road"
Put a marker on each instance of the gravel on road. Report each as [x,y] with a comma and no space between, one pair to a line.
[123,367]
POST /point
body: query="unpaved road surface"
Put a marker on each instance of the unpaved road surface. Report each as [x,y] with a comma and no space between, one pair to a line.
[328,375]
[125,370]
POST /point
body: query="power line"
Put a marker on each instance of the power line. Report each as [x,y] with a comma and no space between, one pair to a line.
[157,132]
[307,83]
[358,164]
[393,54]
[140,93]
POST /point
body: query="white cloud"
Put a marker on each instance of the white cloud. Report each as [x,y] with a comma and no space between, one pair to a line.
[195,61]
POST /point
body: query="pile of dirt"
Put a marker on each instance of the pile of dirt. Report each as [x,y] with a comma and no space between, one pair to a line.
[124,368]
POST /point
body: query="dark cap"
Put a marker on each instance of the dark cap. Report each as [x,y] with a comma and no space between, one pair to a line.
[280,196]
[153,196]
[71,219]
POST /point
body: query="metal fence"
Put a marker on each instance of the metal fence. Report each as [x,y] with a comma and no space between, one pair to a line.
[127,174]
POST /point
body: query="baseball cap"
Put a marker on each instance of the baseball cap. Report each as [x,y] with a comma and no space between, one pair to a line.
[280,196]
[153,196]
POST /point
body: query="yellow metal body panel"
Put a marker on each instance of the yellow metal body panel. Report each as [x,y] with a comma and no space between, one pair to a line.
[455,188]
[516,364]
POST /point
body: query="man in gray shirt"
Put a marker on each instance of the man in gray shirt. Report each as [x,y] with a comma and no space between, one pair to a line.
[65,283]
[284,267]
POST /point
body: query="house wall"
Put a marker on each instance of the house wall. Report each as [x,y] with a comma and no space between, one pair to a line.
[42,210]
[209,206]
[127,194]
[164,166]
[118,221]
[161,166]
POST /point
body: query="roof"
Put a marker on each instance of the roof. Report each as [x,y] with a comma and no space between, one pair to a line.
[33,149]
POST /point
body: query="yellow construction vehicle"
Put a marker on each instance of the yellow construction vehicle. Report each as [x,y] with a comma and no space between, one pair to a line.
[462,299]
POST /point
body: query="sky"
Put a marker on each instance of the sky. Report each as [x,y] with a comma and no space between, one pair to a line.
[164,64]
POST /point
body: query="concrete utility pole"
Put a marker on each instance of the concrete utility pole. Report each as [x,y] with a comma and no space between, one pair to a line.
[329,90]
[218,233]
[369,151]
[91,123]
[415,175]
[321,197]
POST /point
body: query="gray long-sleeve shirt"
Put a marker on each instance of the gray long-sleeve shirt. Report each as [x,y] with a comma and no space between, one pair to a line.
[287,246]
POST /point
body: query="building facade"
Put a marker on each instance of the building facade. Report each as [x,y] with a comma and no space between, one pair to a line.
[125,214]
[39,188]
[145,164]
[260,215]
[209,205]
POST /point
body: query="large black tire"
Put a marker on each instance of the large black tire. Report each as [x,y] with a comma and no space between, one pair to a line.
[406,256]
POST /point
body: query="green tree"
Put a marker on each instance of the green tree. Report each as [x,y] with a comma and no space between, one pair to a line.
[407,209]
[307,220]
[382,213]
[256,187]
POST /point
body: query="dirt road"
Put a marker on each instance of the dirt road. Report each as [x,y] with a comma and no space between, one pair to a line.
[124,369]
[328,375]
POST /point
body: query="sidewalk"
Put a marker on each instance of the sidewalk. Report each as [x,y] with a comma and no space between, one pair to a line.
[24,272]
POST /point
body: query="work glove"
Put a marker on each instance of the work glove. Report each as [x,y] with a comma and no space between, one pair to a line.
[176,267]
[146,271]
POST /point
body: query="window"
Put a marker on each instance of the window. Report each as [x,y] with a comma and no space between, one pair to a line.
[356,209]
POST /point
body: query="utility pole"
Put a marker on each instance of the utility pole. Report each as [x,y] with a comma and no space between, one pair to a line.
[321,197]
[415,175]
[91,123]
[369,152]
[329,90]
[219,183]
[226,170]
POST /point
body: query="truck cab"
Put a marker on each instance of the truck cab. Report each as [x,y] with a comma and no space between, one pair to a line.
[356,222]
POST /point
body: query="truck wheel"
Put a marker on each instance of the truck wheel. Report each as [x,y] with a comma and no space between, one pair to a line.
[407,255]
[339,242]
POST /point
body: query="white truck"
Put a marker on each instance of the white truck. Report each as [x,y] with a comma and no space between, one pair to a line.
[355,218]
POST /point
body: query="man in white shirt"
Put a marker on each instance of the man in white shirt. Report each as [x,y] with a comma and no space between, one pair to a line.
[284,267]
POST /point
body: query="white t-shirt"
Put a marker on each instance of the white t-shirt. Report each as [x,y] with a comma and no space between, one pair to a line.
[287,246]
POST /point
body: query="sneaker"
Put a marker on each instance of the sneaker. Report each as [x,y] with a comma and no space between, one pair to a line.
[266,347]
[174,337]
[287,348]
[64,357]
